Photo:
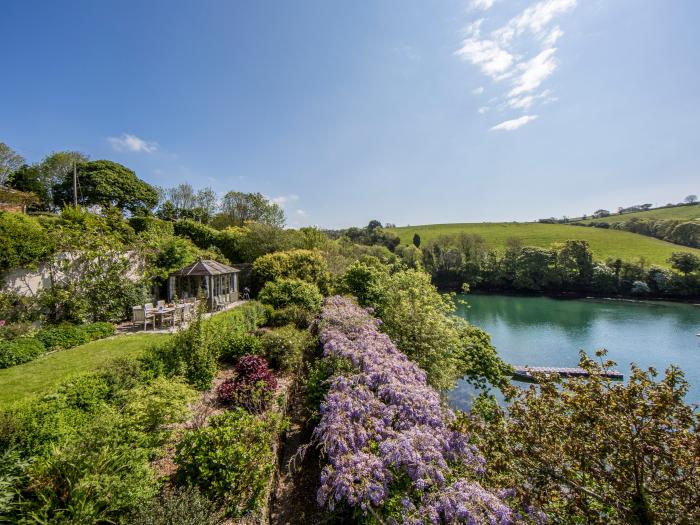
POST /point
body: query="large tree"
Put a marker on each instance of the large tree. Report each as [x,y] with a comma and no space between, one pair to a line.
[29,179]
[108,184]
[238,208]
[10,161]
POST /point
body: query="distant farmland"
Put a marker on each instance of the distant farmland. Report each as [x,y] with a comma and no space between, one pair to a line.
[681,213]
[604,243]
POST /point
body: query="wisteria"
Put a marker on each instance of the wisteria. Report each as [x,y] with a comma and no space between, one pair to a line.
[384,422]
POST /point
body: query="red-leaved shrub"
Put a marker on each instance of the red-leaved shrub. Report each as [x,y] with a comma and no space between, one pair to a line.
[252,387]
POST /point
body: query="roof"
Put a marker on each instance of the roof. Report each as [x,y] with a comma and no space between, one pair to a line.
[205,267]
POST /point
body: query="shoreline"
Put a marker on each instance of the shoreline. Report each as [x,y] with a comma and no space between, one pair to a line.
[692,301]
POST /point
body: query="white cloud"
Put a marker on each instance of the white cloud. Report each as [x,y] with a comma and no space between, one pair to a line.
[534,19]
[534,72]
[481,4]
[283,200]
[554,35]
[486,54]
[510,125]
[520,53]
[483,109]
[129,142]
[301,213]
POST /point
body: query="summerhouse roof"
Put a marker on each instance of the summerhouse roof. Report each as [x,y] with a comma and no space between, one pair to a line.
[205,267]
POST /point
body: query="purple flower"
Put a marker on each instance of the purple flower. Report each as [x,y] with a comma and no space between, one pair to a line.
[384,419]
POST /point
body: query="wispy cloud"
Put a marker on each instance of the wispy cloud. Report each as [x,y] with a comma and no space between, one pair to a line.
[478,91]
[283,200]
[513,124]
[520,54]
[129,142]
[481,4]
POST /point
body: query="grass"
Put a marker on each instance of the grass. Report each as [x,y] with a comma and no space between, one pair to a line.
[604,243]
[44,374]
[683,213]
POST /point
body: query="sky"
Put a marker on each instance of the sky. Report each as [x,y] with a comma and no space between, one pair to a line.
[405,111]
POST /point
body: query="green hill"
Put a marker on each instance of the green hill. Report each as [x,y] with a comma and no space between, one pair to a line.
[680,213]
[604,243]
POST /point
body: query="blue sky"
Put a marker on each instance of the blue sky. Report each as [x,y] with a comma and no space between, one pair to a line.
[406,111]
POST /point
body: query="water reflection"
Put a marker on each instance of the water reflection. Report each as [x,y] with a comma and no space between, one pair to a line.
[541,331]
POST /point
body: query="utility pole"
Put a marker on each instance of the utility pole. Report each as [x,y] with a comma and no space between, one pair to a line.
[75,185]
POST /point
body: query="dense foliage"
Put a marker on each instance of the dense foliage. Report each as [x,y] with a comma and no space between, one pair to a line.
[24,241]
[422,323]
[283,293]
[597,451]
[565,267]
[232,459]
[686,233]
[30,345]
[252,386]
[307,265]
[387,437]
[82,454]
[106,183]
[284,347]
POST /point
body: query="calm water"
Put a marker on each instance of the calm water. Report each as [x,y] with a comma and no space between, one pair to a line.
[539,331]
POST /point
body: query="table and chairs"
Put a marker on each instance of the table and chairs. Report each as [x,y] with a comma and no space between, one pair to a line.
[162,314]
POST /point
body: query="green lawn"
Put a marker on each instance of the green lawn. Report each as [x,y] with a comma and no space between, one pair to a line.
[683,213]
[604,243]
[42,375]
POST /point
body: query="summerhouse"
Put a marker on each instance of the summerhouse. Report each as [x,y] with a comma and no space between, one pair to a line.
[211,280]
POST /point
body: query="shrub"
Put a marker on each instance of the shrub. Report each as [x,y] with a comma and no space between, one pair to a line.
[232,460]
[84,392]
[388,436]
[62,337]
[21,350]
[178,506]
[252,387]
[306,265]
[99,475]
[99,330]
[11,331]
[284,347]
[241,344]
[291,292]
[295,315]
[24,241]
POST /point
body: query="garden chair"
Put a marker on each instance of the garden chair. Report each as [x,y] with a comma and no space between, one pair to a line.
[139,317]
[148,306]
[160,304]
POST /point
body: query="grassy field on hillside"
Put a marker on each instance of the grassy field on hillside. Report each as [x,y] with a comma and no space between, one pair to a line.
[682,213]
[42,375]
[604,243]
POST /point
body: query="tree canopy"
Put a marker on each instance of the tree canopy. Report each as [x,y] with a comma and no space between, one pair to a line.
[10,161]
[238,208]
[106,183]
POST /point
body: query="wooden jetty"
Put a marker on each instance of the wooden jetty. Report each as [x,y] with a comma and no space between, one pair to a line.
[527,373]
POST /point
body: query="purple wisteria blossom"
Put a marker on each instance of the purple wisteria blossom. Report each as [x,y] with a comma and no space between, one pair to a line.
[385,421]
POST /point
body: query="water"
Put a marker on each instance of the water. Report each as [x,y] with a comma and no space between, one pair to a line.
[540,331]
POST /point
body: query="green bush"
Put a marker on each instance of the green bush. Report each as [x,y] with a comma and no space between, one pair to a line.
[84,392]
[241,344]
[66,336]
[179,506]
[24,241]
[99,475]
[99,330]
[307,265]
[62,337]
[295,315]
[232,460]
[284,347]
[21,350]
[291,292]
[11,331]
